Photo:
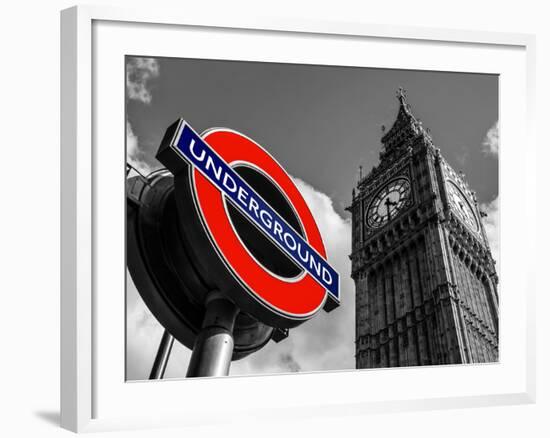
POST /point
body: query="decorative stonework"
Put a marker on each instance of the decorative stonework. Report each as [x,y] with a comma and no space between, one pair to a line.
[425,281]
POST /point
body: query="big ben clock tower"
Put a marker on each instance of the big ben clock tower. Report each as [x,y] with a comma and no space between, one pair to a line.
[425,279]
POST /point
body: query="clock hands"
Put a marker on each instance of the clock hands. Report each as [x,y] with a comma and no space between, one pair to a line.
[462,207]
[388,202]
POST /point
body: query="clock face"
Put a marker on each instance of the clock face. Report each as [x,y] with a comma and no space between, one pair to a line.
[461,206]
[388,202]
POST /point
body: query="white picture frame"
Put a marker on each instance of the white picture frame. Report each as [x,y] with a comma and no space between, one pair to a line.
[93,397]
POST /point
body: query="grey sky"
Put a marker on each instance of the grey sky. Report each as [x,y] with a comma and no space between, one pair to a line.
[320,123]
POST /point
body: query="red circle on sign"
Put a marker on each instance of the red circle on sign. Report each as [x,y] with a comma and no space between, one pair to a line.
[298,297]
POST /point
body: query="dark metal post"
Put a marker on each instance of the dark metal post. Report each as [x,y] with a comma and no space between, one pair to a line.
[213,347]
[163,354]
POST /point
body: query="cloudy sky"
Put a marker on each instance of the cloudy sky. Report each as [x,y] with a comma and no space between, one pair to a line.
[321,123]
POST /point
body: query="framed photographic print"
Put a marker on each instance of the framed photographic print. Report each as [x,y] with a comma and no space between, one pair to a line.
[283,211]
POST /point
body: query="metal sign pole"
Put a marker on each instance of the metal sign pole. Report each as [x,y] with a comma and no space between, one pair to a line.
[213,347]
[163,354]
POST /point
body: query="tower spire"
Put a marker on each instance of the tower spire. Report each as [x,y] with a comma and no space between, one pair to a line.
[404,128]
[401,96]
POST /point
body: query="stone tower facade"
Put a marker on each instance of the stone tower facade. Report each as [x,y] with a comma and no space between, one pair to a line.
[426,285]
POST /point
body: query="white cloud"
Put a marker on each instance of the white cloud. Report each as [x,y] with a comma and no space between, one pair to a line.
[134,155]
[490,143]
[139,71]
[326,342]
[492,227]
[143,335]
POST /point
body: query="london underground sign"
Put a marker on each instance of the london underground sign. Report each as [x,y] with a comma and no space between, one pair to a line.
[231,177]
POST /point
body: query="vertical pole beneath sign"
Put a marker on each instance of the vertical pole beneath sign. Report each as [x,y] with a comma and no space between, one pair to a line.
[213,347]
[163,354]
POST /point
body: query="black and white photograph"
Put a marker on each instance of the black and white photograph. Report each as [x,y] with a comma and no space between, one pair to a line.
[291,219]
[397,173]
